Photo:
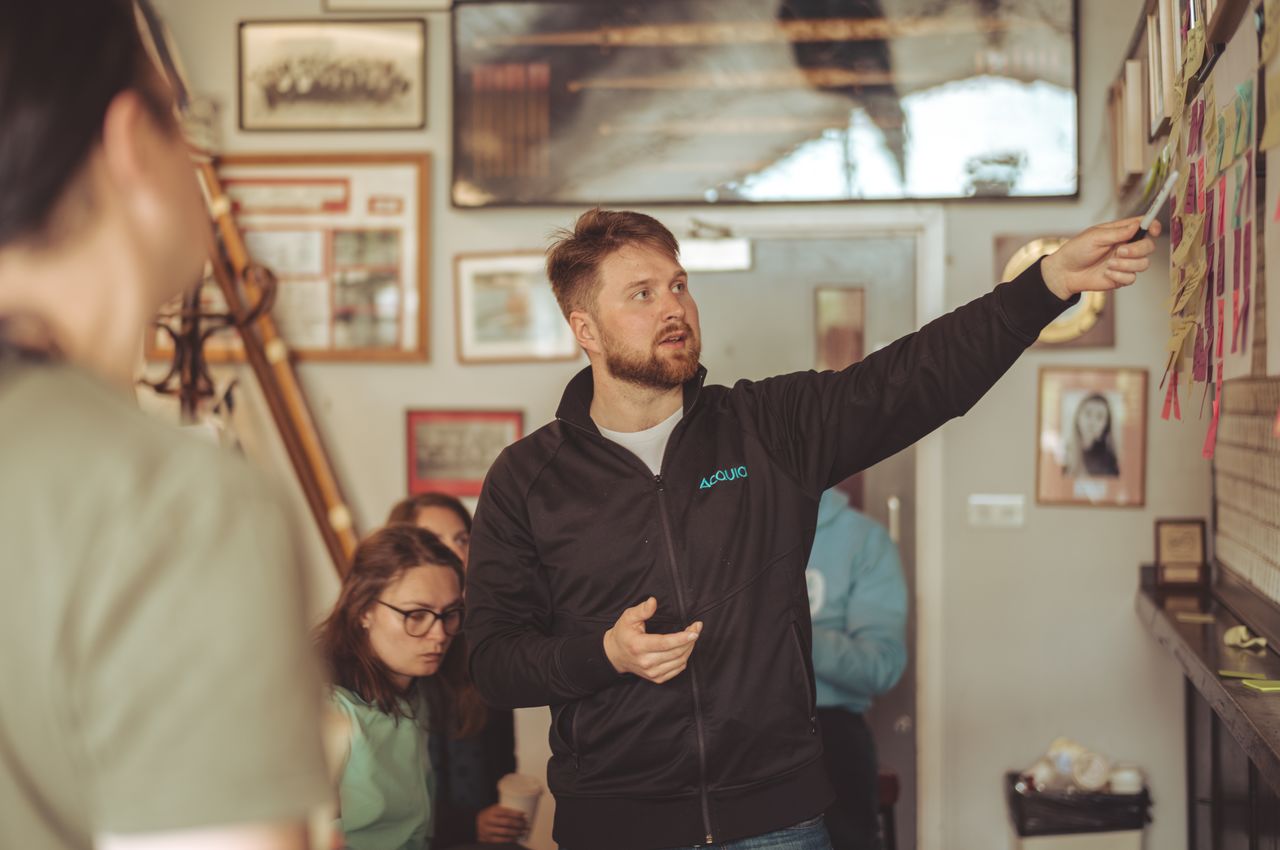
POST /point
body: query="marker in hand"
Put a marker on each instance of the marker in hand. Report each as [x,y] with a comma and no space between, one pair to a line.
[1147,219]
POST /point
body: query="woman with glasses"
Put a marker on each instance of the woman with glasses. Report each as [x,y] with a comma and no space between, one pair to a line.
[397,664]
[468,767]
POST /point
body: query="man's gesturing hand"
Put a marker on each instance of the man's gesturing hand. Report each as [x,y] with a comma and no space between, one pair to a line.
[657,658]
[1100,258]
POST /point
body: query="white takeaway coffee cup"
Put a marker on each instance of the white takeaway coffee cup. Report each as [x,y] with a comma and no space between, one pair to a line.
[520,791]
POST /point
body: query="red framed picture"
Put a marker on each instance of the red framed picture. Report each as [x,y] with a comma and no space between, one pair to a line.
[450,451]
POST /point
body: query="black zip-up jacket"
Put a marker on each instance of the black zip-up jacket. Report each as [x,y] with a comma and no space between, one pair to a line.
[572,528]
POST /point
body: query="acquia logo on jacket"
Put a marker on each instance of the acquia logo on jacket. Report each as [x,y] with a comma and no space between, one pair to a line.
[732,473]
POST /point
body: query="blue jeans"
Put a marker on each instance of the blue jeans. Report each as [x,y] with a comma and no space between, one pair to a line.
[806,835]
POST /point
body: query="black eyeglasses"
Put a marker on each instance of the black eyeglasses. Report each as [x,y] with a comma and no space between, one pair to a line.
[419,621]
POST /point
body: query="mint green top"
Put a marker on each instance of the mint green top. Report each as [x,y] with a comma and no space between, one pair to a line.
[387,786]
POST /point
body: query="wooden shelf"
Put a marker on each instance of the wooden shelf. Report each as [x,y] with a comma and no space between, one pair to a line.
[1253,719]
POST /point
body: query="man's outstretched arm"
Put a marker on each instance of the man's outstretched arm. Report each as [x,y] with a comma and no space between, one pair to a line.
[826,426]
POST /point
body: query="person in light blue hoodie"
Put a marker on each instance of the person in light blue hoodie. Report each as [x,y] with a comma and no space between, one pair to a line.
[858,601]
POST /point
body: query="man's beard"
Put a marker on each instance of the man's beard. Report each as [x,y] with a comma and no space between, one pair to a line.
[649,370]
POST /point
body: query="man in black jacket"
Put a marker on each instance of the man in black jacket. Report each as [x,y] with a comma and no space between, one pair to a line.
[657,515]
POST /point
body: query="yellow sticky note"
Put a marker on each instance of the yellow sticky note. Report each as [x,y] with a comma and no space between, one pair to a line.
[1271,134]
[1186,250]
[1239,674]
[1190,287]
[1193,53]
[1271,31]
[1265,686]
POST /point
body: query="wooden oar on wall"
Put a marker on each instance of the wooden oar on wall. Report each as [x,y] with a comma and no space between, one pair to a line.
[244,284]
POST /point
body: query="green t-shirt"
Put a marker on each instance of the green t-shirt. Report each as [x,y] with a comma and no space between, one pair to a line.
[157,673]
[387,785]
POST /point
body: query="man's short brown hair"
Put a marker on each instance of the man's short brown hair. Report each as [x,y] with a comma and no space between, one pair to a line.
[574,258]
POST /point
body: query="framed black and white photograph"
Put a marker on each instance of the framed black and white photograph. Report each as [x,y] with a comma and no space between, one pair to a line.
[1092,437]
[333,75]
[507,312]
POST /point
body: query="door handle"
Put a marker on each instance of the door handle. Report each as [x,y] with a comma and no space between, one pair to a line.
[895,519]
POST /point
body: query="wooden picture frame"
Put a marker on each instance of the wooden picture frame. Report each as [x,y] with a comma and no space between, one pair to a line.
[506,312]
[388,5]
[347,238]
[1125,107]
[450,451]
[332,74]
[1181,547]
[1091,436]
[1160,76]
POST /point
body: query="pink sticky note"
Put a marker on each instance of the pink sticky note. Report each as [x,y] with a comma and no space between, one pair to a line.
[1221,276]
[1200,199]
[1200,361]
[1211,436]
[1168,399]
[1248,255]
[1210,266]
[1247,297]
[1222,314]
[1222,208]
[1209,324]
[1235,321]
[1235,259]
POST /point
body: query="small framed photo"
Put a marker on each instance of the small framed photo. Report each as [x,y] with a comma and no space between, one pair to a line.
[333,75]
[840,319]
[450,451]
[1181,553]
[507,312]
[1092,437]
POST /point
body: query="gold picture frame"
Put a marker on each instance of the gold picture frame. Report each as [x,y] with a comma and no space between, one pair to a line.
[1089,324]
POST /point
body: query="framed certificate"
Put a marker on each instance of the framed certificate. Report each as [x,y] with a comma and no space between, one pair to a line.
[1181,553]
[346,237]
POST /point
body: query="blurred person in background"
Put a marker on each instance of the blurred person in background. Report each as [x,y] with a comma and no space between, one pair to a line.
[858,601]
[159,688]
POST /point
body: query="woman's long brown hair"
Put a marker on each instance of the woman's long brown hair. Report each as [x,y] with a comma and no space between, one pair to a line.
[344,643]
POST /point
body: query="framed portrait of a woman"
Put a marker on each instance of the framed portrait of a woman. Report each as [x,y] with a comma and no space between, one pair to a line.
[1092,437]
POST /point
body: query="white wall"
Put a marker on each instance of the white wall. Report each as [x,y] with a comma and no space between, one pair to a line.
[1036,625]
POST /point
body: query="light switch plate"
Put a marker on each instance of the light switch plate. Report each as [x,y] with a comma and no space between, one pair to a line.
[997,510]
